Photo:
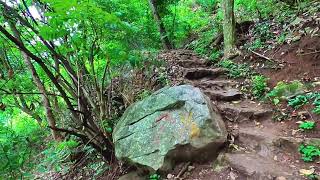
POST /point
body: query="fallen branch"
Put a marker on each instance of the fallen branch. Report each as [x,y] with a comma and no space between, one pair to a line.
[304,54]
[262,56]
[183,170]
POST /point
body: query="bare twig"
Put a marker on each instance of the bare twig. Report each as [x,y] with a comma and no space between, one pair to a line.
[262,56]
[309,53]
[309,114]
[183,170]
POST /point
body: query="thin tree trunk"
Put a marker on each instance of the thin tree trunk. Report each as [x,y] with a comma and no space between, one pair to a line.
[229,29]
[45,99]
[163,33]
[6,64]
[36,79]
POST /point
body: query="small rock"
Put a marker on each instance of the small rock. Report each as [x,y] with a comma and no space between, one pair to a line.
[275,158]
[316,83]
[131,175]
[190,168]
[306,172]
[281,178]
[294,114]
[294,132]
[233,176]
[305,113]
[292,166]
[170,176]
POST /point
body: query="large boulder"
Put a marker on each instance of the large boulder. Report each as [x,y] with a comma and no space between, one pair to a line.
[173,124]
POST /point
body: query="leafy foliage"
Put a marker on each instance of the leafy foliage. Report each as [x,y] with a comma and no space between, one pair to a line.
[285,90]
[154,177]
[316,103]
[182,20]
[298,101]
[307,125]
[303,99]
[235,70]
[309,152]
[316,110]
[57,157]
[254,9]
[19,140]
[259,85]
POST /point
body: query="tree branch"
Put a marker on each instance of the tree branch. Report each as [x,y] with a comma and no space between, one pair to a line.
[40,62]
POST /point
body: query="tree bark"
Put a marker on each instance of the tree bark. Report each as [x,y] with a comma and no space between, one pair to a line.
[36,79]
[229,29]
[163,33]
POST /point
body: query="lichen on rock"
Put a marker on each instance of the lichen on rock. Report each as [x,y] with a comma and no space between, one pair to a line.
[173,124]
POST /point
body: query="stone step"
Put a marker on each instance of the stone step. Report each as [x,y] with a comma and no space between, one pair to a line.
[244,110]
[214,84]
[295,142]
[270,143]
[190,63]
[224,95]
[178,55]
[200,73]
[257,167]
[258,139]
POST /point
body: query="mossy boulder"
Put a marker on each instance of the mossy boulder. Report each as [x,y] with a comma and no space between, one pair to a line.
[173,124]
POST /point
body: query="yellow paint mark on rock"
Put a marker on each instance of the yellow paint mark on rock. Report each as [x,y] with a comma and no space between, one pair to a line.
[195,131]
[191,128]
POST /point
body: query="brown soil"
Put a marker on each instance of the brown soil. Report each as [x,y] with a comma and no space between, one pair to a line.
[299,60]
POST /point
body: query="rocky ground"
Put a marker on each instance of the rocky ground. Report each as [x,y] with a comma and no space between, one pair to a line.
[259,147]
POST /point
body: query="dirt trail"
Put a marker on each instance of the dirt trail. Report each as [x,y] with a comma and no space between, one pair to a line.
[258,148]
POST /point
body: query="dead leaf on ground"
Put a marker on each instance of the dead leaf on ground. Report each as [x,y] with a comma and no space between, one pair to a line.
[306,172]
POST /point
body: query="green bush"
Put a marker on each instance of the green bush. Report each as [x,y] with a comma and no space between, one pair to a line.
[309,152]
[182,20]
[57,157]
[259,85]
[19,143]
[307,125]
[316,110]
[208,5]
[298,101]
[285,90]
[154,177]
[252,9]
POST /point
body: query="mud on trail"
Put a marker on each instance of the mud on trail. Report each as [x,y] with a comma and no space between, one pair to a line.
[258,147]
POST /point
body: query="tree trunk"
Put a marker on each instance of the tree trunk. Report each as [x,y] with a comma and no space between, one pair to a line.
[45,99]
[229,29]
[36,79]
[163,33]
